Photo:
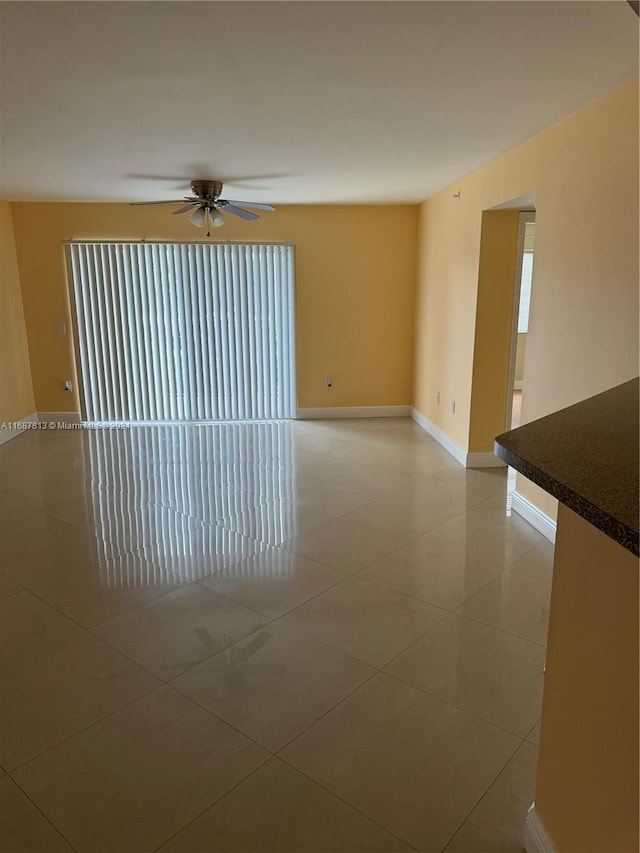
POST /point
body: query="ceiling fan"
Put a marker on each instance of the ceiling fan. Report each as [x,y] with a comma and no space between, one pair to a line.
[207,207]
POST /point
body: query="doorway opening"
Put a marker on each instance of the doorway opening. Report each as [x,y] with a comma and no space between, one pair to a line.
[520,324]
[183,332]
[500,279]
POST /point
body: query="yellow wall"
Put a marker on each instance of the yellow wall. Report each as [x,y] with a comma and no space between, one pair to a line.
[355,281]
[587,788]
[583,331]
[16,392]
[494,322]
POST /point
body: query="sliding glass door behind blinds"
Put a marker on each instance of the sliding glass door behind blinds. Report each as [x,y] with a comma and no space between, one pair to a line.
[184,332]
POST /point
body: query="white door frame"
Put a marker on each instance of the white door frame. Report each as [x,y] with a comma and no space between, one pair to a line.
[524,217]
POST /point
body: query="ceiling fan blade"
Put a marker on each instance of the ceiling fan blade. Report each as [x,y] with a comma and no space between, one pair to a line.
[237,211]
[171,201]
[256,205]
[187,207]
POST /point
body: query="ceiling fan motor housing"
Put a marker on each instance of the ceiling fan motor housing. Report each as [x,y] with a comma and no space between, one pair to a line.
[206,190]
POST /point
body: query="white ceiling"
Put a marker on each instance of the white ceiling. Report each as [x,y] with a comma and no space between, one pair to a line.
[290,102]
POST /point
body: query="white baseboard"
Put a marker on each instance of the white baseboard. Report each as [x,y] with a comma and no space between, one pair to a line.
[468,460]
[59,417]
[484,460]
[332,412]
[440,436]
[9,432]
[536,518]
[536,839]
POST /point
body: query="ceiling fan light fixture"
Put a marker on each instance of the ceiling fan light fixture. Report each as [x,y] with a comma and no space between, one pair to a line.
[198,218]
[217,219]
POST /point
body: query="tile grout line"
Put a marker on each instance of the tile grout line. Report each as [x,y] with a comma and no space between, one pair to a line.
[82,731]
[510,633]
[486,792]
[275,755]
[188,669]
[286,612]
[533,743]
[145,695]
[423,600]
[215,802]
[44,815]
[300,734]
[466,711]
[347,803]
[90,628]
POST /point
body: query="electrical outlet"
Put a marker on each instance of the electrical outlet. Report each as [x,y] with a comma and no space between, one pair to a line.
[453,407]
[68,385]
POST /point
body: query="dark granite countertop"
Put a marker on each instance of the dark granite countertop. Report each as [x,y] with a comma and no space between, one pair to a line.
[586,456]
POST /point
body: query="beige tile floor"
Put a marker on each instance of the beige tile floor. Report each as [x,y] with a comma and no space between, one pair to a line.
[298,636]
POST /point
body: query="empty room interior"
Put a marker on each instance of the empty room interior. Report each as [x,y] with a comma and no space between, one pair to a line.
[275,277]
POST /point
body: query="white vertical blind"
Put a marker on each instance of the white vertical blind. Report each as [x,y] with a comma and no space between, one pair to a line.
[184,331]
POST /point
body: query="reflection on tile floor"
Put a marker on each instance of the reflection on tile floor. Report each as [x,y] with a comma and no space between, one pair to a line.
[182,604]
